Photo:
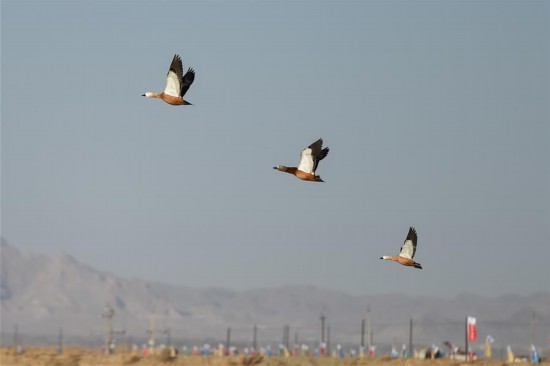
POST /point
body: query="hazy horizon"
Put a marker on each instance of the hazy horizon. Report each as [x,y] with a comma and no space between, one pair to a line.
[63,254]
[41,294]
[436,115]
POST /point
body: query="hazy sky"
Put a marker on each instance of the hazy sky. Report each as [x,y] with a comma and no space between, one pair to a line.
[437,115]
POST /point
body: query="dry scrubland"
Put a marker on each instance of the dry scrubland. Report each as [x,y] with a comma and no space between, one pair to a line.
[85,357]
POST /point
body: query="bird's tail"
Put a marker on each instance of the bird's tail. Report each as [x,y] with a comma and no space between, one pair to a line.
[417,265]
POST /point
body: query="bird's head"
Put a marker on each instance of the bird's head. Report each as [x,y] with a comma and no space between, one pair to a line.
[281,168]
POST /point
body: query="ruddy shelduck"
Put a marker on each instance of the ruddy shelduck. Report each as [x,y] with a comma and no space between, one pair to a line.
[309,159]
[177,84]
[407,252]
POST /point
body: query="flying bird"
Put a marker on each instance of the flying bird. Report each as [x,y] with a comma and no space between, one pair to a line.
[177,84]
[309,159]
[407,252]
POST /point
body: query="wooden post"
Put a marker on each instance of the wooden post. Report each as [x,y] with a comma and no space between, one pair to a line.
[466,340]
[16,336]
[228,339]
[362,332]
[328,341]
[286,341]
[60,342]
[533,328]
[323,328]
[254,337]
[411,338]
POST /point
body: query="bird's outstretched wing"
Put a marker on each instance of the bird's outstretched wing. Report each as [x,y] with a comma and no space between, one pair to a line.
[409,246]
[188,79]
[311,155]
[174,78]
[320,157]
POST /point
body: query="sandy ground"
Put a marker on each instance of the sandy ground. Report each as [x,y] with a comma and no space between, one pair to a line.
[85,357]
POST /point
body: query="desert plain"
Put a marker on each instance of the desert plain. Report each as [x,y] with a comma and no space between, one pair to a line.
[87,357]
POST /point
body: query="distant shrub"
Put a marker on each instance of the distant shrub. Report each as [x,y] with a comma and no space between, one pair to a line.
[166,355]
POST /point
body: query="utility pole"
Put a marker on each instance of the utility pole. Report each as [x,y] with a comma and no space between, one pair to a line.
[16,335]
[60,341]
[286,335]
[362,332]
[109,313]
[296,338]
[151,333]
[228,339]
[533,328]
[328,341]
[411,338]
[255,337]
[369,326]
[168,333]
[323,328]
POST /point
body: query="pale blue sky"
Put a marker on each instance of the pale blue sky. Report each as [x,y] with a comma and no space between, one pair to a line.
[437,115]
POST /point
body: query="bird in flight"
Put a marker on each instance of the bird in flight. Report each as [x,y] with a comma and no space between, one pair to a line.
[177,84]
[407,252]
[309,159]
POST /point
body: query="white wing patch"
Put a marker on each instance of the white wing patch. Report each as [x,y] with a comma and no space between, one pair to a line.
[173,87]
[407,250]
[306,161]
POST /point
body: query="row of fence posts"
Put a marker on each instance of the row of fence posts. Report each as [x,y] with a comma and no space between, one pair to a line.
[109,313]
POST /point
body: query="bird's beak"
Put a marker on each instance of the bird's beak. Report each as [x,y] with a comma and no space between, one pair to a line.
[381,257]
[142,95]
[274,167]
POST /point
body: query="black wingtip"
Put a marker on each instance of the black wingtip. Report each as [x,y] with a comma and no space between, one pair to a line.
[412,235]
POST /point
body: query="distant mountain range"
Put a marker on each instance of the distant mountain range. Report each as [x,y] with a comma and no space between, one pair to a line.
[39,295]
